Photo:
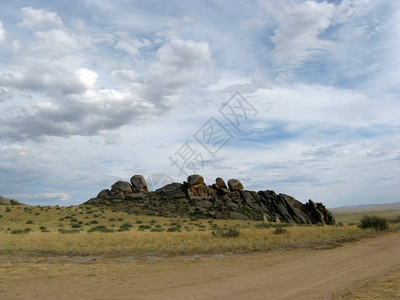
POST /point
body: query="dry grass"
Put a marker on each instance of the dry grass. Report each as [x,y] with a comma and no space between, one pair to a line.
[353,216]
[386,287]
[177,236]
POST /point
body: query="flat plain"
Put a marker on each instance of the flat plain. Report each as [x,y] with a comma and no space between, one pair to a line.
[111,254]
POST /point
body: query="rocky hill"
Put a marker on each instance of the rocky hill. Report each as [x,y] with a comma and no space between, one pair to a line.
[7,201]
[220,201]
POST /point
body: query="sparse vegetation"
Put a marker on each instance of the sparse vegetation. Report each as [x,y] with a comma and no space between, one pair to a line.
[373,221]
[230,232]
[58,230]
[279,230]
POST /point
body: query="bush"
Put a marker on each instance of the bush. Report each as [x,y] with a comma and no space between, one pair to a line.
[18,231]
[174,229]
[279,230]
[100,228]
[66,231]
[228,232]
[29,222]
[263,225]
[125,227]
[143,227]
[373,221]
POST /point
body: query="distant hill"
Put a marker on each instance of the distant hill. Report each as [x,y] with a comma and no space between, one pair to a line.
[7,201]
[366,208]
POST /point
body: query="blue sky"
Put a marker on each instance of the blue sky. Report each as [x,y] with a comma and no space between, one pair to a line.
[92,92]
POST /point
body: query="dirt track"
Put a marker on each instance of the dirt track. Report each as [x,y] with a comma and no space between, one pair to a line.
[301,274]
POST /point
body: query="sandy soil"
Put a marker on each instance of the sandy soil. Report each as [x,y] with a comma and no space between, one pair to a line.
[298,274]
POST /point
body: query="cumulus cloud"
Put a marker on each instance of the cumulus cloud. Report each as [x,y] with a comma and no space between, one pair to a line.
[91,113]
[37,18]
[181,64]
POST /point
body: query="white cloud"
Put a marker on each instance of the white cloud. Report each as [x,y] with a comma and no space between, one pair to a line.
[2,33]
[181,64]
[64,197]
[299,25]
[87,77]
[37,18]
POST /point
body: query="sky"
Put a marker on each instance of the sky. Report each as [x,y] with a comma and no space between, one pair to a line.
[299,97]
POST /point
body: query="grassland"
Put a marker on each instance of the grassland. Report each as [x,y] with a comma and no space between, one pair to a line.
[88,230]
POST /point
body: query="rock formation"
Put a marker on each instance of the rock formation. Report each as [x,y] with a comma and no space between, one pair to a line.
[195,198]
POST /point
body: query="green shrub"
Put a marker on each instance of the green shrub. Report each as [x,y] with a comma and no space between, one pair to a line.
[144,227]
[125,227]
[226,232]
[66,231]
[174,229]
[100,228]
[29,222]
[18,231]
[42,227]
[373,221]
[279,230]
[94,222]
[263,225]
[8,209]
[156,229]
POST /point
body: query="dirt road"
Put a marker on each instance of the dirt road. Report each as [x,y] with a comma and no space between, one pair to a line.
[300,274]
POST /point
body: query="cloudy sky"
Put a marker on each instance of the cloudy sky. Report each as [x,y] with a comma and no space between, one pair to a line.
[299,97]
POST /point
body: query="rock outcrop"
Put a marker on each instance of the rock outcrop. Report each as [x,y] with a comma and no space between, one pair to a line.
[195,198]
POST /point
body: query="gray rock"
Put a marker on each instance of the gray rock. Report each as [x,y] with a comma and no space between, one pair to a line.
[121,186]
[238,216]
[220,183]
[172,191]
[196,199]
[104,194]
[139,184]
[195,180]
[235,185]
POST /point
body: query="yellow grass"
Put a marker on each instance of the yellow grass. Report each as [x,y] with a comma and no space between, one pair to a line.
[195,236]
[353,217]
[385,287]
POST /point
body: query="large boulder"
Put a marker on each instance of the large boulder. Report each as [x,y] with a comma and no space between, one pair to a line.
[139,184]
[235,185]
[220,183]
[104,194]
[195,180]
[121,186]
[172,191]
